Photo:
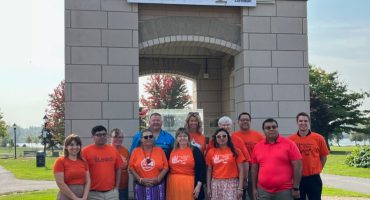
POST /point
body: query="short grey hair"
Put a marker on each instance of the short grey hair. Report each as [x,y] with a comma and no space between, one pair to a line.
[224,120]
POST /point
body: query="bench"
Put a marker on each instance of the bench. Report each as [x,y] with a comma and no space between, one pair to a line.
[5,155]
[29,153]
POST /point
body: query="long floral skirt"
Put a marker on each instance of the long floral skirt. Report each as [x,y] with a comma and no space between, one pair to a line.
[224,189]
[150,193]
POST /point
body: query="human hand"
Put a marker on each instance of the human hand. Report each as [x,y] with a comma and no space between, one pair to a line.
[239,193]
[209,192]
[296,194]
[255,194]
[196,191]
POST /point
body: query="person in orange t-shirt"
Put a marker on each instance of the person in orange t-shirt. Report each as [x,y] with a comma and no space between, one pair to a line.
[116,141]
[148,165]
[71,172]
[193,124]
[105,165]
[225,172]
[250,138]
[187,168]
[314,153]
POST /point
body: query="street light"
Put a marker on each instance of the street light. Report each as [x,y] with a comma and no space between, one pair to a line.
[15,140]
[44,132]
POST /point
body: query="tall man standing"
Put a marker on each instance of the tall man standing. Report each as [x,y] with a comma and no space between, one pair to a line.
[162,138]
[105,165]
[250,138]
[276,166]
[314,152]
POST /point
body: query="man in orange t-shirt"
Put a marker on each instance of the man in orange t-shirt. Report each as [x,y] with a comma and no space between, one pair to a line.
[105,165]
[314,152]
[116,141]
[250,138]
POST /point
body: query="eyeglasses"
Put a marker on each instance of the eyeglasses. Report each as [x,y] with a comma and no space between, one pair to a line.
[101,135]
[182,136]
[193,113]
[270,127]
[221,136]
[148,137]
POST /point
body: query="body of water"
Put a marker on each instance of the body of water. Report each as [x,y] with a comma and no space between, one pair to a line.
[348,142]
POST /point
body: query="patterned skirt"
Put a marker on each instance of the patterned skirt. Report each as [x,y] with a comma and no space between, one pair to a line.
[150,193]
[224,189]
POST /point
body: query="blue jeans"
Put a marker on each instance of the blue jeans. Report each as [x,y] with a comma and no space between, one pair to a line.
[123,194]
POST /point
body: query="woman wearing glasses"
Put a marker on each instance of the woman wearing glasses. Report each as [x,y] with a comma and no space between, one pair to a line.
[193,124]
[148,165]
[71,171]
[224,168]
[187,170]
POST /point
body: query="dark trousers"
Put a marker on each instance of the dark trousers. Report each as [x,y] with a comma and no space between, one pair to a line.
[311,186]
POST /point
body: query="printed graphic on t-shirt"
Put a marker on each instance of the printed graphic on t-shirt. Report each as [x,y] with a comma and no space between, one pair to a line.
[103,159]
[147,164]
[180,159]
[306,149]
[221,158]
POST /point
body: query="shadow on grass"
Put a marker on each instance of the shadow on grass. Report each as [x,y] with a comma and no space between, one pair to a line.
[339,152]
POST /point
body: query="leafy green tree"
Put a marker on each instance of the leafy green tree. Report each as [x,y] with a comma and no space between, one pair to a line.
[166,91]
[3,127]
[334,109]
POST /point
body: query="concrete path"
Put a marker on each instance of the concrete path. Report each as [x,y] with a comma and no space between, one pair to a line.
[9,184]
[347,183]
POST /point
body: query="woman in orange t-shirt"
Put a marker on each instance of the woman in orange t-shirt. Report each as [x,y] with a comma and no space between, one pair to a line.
[187,170]
[71,171]
[224,168]
[148,165]
[193,124]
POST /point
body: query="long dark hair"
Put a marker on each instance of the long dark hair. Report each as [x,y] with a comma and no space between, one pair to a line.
[229,142]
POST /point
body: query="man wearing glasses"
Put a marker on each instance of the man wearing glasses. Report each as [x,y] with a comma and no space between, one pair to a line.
[276,166]
[162,138]
[105,165]
[250,138]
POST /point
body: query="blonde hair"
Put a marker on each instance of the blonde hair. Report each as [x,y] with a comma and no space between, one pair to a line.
[178,132]
[200,123]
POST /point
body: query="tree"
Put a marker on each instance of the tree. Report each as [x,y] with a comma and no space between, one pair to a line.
[3,127]
[166,91]
[55,113]
[334,109]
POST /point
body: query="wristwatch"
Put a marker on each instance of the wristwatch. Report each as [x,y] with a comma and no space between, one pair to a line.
[295,189]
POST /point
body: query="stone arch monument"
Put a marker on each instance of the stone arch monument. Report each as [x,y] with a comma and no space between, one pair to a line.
[250,59]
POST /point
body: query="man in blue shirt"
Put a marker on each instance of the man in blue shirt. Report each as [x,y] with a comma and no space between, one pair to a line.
[163,138]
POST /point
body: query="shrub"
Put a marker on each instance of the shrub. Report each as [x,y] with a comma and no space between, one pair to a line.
[360,157]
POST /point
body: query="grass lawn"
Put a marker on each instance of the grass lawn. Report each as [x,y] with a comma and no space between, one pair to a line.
[327,191]
[335,164]
[39,195]
[25,168]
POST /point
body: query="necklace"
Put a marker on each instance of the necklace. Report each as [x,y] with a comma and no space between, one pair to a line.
[148,159]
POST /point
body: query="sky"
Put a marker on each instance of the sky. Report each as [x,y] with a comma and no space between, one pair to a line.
[32,50]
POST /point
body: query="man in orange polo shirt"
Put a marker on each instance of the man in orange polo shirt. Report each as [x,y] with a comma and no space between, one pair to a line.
[276,166]
[314,152]
[105,165]
[250,138]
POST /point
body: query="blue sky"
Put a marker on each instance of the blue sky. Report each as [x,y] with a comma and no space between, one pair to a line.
[32,50]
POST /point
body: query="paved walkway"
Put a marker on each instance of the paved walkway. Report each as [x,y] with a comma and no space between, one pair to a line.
[9,184]
[355,184]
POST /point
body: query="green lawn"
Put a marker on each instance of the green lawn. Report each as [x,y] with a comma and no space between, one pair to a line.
[10,151]
[25,168]
[335,164]
[327,191]
[39,195]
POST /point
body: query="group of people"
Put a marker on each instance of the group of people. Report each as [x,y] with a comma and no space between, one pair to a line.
[244,164]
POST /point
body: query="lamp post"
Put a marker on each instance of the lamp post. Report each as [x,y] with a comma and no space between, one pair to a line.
[44,132]
[15,140]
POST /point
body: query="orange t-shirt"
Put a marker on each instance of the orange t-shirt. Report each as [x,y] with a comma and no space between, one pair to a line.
[138,162]
[312,147]
[124,173]
[250,138]
[103,163]
[238,143]
[198,139]
[223,163]
[74,170]
[182,161]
